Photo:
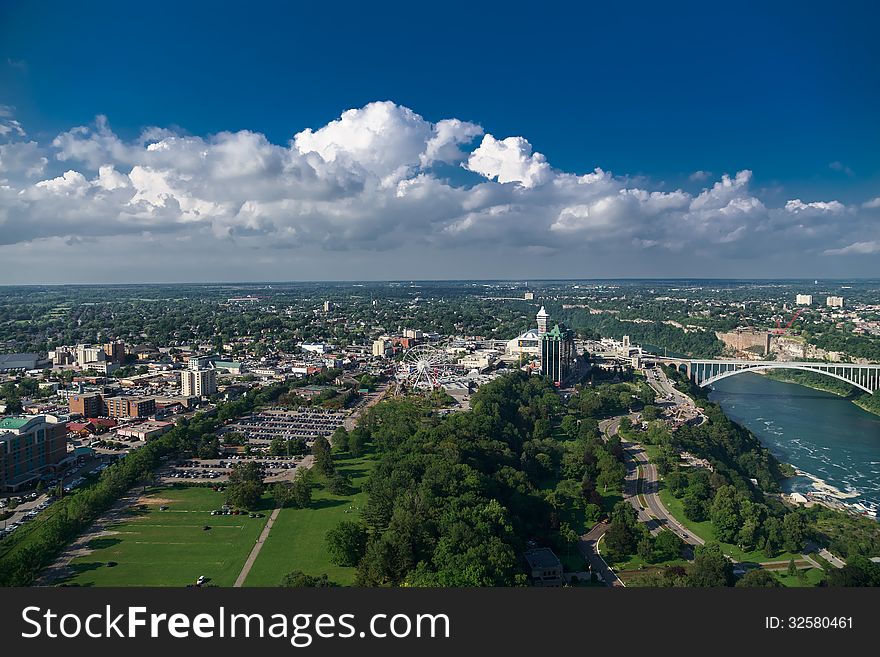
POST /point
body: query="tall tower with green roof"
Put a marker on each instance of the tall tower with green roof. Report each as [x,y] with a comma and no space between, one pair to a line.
[557,353]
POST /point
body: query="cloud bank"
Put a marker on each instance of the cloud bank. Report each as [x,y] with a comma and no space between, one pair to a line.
[383,178]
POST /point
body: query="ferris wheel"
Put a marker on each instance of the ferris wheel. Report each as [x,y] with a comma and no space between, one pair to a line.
[422,367]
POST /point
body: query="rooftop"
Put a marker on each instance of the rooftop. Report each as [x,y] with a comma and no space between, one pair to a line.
[14,422]
[542,558]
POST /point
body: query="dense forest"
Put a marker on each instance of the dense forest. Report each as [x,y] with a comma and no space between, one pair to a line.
[698,344]
[454,501]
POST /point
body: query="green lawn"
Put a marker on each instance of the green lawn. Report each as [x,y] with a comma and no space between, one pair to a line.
[812,577]
[705,531]
[635,562]
[171,548]
[296,541]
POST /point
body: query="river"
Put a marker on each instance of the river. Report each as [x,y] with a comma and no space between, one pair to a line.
[823,435]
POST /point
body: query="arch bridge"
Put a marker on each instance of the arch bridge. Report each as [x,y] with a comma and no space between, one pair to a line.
[706,372]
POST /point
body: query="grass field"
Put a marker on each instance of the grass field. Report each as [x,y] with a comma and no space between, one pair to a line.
[170,548]
[296,541]
[705,531]
[811,577]
[635,562]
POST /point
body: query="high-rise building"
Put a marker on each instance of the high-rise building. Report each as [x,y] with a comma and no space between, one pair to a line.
[29,446]
[198,383]
[88,353]
[63,356]
[834,302]
[379,347]
[804,299]
[557,353]
[115,352]
[543,317]
[328,306]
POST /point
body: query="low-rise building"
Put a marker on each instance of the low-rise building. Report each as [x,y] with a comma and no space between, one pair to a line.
[544,567]
[10,362]
[129,407]
[87,404]
[145,430]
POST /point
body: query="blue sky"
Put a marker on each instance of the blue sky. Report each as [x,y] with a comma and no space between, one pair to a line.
[649,92]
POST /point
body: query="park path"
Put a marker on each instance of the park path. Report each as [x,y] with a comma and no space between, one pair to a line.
[252,557]
[61,569]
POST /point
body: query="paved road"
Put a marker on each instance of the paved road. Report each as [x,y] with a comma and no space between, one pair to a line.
[588,544]
[658,515]
[252,557]
[372,399]
[837,562]
[653,513]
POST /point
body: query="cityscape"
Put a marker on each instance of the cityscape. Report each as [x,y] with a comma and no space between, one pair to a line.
[612,416]
[433,299]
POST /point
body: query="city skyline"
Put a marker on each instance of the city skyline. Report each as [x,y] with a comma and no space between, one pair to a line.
[764,170]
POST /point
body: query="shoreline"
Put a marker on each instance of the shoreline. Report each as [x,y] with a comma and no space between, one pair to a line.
[790,471]
[856,400]
[841,499]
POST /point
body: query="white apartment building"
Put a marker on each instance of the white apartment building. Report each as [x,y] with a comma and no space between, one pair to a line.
[87,353]
[804,300]
[198,383]
[834,302]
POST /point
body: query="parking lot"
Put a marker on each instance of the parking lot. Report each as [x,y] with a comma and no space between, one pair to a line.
[28,505]
[260,429]
[274,468]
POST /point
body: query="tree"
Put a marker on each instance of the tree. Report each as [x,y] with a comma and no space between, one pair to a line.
[323,457]
[569,536]
[677,482]
[792,567]
[793,532]
[710,568]
[693,507]
[622,536]
[759,578]
[569,426]
[245,487]
[301,490]
[667,546]
[650,413]
[645,548]
[774,537]
[13,405]
[298,579]
[339,439]
[724,514]
[347,543]
[747,536]
[357,440]
[339,484]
